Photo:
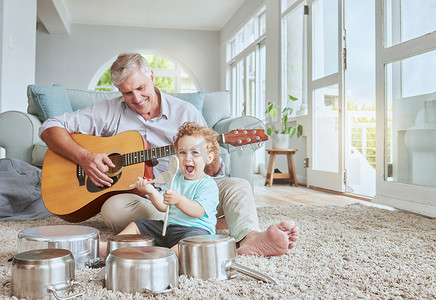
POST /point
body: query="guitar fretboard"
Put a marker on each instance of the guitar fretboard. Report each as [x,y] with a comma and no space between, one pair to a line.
[146,155]
[149,154]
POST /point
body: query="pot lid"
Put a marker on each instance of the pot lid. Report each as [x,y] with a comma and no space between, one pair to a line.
[130,238]
[207,239]
[142,253]
[58,232]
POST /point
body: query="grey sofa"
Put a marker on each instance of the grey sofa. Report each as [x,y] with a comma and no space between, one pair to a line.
[19,130]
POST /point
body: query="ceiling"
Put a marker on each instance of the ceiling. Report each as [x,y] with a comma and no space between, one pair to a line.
[58,15]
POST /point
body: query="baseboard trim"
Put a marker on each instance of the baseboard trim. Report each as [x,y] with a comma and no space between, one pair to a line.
[369,199]
[415,207]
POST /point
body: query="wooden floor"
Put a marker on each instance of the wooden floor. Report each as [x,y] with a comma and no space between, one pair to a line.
[284,194]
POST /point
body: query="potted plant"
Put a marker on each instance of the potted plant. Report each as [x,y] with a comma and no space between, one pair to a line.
[280,136]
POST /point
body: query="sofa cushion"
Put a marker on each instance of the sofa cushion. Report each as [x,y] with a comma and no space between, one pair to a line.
[216,106]
[196,99]
[83,98]
[49,101]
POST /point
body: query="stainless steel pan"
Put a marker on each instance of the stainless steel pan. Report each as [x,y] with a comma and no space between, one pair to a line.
[82,241]
[43,273]
[211,257]
[139,269]
[122,241]
[128,240]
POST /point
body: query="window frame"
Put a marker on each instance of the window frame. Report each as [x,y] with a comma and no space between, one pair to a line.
[177,74]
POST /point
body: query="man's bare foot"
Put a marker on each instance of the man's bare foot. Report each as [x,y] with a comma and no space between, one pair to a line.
[276,240]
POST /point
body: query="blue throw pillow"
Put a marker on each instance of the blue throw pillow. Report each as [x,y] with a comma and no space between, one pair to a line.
[196,99]
[50,101]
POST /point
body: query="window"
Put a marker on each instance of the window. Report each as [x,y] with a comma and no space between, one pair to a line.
[406,20]
[246,58]
[294,58]
[170,76]
[246,63]
[253,30]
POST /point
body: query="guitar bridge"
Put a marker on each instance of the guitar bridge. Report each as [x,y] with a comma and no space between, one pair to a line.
[80,175]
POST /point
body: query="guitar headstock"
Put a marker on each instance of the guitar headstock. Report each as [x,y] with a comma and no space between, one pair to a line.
[241,137]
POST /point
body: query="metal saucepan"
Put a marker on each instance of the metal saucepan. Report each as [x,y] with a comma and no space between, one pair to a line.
[122,241]
[82,241]
[139,269]
[42,273]
[210,257]
[128,240]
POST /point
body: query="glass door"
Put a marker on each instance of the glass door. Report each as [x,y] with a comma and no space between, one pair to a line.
[360,104]
[325,92]
[406,104]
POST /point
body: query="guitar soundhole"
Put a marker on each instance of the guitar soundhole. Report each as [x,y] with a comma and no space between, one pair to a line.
[117,159]
[114,173]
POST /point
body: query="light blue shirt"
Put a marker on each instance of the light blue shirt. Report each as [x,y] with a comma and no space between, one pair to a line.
[110,117]
[205,192]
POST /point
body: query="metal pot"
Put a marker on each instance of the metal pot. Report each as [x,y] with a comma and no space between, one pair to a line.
[82,241]
[42,273]
[122,241]
[128,240]
[210,257]
[139,269]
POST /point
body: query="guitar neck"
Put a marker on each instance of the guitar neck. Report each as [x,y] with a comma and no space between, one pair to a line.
[147,155]
[153,153]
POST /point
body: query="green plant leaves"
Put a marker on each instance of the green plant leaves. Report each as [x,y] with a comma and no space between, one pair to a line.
[291,131]
[272,110]
[299,130]
[292,98]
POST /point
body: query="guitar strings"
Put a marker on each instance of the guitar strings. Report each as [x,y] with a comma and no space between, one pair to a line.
[143,155]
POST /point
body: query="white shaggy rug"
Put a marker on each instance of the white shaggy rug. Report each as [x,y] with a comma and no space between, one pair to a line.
[344,252]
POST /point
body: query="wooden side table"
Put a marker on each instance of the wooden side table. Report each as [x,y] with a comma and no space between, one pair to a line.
[270,176]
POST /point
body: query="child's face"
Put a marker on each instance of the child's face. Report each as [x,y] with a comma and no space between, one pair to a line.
[193,156]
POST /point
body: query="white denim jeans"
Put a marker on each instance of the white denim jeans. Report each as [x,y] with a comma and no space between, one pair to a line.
[236,204]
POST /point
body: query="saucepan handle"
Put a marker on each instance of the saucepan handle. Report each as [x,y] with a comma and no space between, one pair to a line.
[252,273]
[100,275]
[53,290]
[169,288]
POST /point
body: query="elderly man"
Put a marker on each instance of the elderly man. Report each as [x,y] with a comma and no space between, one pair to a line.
[156,116]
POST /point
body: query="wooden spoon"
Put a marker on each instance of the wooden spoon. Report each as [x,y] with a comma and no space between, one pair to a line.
[174,166]
[164,177]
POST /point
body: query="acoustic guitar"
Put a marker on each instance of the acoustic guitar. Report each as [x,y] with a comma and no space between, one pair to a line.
[68,192]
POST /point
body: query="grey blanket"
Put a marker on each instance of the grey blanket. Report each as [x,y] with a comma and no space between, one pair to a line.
[20,191]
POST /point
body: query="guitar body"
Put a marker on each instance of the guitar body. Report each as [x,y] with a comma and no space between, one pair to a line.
[68,193]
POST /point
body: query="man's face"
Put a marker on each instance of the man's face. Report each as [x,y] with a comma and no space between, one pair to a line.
[139,93]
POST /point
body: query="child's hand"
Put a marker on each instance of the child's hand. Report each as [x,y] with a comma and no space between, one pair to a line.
[171,197]
[144,186]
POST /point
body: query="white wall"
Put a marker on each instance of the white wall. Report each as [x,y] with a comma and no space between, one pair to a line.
[17,52]
[72,60]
